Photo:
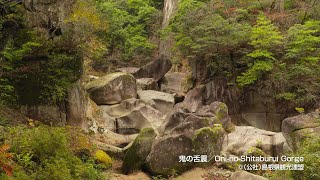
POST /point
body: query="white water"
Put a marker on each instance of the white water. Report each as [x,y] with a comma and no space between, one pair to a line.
[168,10]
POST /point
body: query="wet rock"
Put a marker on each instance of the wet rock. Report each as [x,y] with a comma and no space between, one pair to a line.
[112,88]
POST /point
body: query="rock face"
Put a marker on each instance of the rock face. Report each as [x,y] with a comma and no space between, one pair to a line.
[112,88]
[77,106]
[138,152]
[147,84]
[296,129]
[246,138]
[164,156]
[216,112]
[175,82]
[131,70]
[156,69]
[249,108]
[114,139]
[186,133]
[51,115]
[43,13]
[161,101]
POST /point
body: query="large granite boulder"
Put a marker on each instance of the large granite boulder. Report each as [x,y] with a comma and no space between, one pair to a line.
[163,102]
[249,107]
[114,139]
[112,88]
[185,134]
[166,151]
[195,98]
[176,82]
[218,110]
[136,155]
[296,129]
[132,115]
[155,69]
[246,138]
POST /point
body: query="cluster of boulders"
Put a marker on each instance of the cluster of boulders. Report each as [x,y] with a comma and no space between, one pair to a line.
[147,116]
[130,115]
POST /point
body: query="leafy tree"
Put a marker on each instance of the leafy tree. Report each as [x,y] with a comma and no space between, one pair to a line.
[301,75]
[130,27]
[202,34]
[265,38]
[304,42]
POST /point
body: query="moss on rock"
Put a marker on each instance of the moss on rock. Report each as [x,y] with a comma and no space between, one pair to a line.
[208,141]
[135,156]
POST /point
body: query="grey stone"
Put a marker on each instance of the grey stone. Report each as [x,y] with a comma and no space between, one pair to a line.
[112,88]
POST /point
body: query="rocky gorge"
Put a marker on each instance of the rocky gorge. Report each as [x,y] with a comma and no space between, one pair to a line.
[178,112]
[145,115]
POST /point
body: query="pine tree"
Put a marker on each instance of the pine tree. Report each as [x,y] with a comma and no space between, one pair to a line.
[265,37]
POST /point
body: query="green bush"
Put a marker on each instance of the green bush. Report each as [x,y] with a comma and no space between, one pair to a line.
[310,151]
[45,153]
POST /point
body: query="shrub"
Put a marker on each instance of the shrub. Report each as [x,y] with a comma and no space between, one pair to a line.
[46,152]
[310,151]
[103,158]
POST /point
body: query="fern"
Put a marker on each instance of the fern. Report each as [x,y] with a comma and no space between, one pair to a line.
[5,159]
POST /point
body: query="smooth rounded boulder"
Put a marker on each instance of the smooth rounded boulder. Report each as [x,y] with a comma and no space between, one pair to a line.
[112,88]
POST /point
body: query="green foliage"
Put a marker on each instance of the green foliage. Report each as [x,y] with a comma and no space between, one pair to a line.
[35,69]
[265,35]
[310,151]
[44,152]
[131,23]
[301,75]
[304,42]
[299,110]
[264,38]
[254,72]
[201,33]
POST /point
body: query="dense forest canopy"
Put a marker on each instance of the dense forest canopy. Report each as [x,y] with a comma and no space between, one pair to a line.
[252,42]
